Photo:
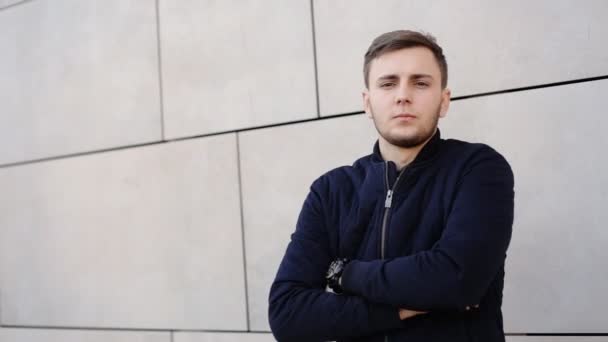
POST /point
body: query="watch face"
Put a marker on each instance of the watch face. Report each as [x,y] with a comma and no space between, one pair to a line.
[334,268]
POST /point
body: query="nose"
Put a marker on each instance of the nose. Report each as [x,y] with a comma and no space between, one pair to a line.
[403,95]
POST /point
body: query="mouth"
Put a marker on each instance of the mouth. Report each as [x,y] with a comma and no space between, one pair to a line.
[405,116]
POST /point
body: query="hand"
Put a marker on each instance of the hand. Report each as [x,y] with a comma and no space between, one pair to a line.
[405,313]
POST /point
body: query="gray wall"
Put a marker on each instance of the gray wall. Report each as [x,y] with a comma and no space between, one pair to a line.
[155,154]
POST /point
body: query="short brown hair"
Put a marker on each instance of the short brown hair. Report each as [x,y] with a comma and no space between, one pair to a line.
[401,39]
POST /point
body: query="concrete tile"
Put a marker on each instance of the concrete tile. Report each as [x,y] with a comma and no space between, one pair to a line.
[58,335]
[542,44]
[557,339]
[144,238]
[222,337]
[235,64]
[77,76]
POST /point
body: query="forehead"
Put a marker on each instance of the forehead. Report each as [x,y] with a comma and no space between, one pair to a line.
[405,62]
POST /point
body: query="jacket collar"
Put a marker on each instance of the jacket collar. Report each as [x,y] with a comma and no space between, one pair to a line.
[427,154]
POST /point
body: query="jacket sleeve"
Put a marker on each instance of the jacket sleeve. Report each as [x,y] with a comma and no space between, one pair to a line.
[299,307]
[459,268]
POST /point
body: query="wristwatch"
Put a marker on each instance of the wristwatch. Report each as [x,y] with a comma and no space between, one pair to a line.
[334,275]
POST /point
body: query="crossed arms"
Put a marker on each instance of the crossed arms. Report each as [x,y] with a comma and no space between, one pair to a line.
[453,274]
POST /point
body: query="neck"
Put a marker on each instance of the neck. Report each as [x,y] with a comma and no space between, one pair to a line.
[401,156]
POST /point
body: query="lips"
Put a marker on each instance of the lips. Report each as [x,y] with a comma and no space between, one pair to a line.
[405,116]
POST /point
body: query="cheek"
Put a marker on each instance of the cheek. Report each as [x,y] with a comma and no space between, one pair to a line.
[380,109]
[431,102]
[381,101]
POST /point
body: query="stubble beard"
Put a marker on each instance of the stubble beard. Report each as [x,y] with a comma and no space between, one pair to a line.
[412,140]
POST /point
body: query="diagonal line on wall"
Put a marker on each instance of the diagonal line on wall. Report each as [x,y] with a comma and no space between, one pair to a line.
[538,86]
[18,3]
[287,123]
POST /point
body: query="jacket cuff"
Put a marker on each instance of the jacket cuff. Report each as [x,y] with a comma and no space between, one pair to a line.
[383,317]
[349,280]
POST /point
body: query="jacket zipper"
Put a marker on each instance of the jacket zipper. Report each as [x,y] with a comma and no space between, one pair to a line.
[388,202]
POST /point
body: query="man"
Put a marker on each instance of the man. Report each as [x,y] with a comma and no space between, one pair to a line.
[411,239]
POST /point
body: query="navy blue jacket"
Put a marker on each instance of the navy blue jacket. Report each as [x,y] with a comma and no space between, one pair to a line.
[432,237]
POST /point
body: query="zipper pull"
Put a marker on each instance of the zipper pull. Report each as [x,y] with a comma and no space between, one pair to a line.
[389,199]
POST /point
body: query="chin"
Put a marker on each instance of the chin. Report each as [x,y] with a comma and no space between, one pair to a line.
[405,141]
[410,134]
[409,139]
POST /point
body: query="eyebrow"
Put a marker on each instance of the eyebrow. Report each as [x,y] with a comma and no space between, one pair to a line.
[395,76]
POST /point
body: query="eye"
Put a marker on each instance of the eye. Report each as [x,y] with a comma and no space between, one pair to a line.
[387,84]
[421,84]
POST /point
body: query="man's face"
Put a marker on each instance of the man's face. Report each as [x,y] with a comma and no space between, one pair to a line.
[405,98]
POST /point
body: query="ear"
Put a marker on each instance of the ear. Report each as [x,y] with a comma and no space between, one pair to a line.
[445,102]
[366,105]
